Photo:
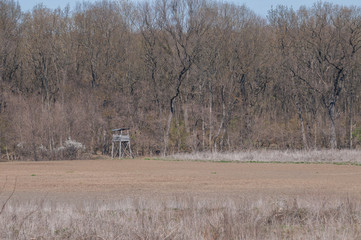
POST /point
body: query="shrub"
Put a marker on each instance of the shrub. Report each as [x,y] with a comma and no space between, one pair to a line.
[69,151]
[73,149]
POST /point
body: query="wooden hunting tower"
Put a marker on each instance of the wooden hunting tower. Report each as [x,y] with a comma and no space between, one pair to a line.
[121,135]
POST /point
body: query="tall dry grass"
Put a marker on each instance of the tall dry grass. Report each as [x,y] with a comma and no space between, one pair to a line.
[312,156]
[184,217]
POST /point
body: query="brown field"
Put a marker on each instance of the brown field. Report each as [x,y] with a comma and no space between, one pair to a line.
[155,199]
[139,176]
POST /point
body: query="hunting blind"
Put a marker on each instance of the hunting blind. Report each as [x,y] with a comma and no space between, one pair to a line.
[121,143]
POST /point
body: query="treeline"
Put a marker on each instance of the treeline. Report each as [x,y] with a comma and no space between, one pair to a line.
[184,75]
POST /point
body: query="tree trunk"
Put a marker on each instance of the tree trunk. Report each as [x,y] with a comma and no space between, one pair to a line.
[171,112]
[105,148]
[350,144]
[331,114]
[303,132]
[34,152]
[349,123]
[299,113]
[186,117]
[210,117]
[166,137]
[203,130]
[222,121]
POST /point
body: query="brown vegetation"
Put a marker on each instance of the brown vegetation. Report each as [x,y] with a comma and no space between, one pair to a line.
[189,75]
[184,217]
[147,199]
[341,157]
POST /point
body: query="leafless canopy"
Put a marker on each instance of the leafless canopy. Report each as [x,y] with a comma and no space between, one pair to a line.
[184,75]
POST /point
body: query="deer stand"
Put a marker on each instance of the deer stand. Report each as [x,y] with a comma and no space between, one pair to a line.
[121,143]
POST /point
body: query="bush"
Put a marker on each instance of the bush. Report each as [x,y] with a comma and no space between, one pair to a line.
[69,151]
[72,149]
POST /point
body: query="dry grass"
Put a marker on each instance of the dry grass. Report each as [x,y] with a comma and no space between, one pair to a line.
[184,217]
[191,216]
[314,156]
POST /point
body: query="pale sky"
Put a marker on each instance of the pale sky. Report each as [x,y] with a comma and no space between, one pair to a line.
[260,7]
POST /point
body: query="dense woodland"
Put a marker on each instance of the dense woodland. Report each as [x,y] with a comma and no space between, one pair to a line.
[184,75]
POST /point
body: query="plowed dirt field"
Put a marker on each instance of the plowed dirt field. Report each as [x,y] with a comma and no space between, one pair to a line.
[157,177]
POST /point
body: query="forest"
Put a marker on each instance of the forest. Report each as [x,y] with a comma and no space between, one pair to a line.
[183,75]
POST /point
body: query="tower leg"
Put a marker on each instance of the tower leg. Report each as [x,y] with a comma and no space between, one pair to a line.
[120,149]
[130,150]
[112,149]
